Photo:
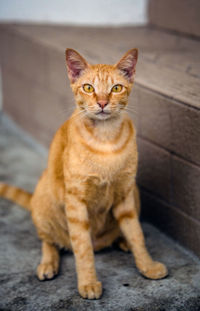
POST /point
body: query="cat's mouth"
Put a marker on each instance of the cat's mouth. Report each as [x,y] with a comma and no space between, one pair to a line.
[102,112]
[103,115]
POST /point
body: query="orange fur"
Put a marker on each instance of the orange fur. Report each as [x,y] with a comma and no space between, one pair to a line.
[18,195]
[87,197]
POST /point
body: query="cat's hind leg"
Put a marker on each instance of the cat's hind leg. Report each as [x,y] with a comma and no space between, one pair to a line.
[48,216]
[49,265]
[123,244]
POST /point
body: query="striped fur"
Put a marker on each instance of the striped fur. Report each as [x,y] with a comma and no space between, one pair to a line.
[16,195]
[87,197]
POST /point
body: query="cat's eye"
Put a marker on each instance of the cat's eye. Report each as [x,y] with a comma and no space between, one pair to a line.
[117,88]
[88,88]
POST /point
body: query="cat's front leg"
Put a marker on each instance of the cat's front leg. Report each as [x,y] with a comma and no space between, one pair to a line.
[79,231]
[126,214]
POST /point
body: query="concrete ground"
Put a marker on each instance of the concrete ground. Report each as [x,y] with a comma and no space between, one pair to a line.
[21,162]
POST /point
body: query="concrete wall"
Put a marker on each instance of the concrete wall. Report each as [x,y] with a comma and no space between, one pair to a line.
[176,15]
[87,12]
[1,91]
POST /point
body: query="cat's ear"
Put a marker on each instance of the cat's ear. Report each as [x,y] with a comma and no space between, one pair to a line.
[127,64]
[76,64]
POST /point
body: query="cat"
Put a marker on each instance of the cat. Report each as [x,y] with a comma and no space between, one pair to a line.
[87,197]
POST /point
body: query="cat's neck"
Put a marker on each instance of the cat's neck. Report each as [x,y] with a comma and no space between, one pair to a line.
[102,130]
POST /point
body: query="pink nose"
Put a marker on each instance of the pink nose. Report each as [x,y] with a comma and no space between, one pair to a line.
[102,103]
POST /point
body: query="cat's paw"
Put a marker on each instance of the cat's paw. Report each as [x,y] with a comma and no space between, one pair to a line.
[47,271]
[123,245]
[155,271]
[91,290]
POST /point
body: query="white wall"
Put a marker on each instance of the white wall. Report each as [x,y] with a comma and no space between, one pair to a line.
[86,12]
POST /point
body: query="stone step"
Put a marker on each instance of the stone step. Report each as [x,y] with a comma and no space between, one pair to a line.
[165,103]
[177,15]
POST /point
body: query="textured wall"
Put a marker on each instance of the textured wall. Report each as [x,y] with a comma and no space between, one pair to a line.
[177,15]
[1,91]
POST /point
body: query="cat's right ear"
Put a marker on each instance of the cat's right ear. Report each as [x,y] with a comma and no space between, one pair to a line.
[76,64]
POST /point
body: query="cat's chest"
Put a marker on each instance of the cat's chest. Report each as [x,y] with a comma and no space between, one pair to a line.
[97,190]
[102,155]
[106,165]
[101,194]
[100,174]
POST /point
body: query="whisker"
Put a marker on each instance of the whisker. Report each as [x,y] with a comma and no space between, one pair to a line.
[64,110]
[132,111]
[129,109]
[78,114]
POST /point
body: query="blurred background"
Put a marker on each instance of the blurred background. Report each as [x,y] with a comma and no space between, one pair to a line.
[77,12]
[164,105]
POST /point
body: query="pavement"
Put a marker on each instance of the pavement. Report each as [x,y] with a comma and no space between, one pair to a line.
[21,161]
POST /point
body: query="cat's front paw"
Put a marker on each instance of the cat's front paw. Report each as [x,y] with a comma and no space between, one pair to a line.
[47,271]
[91,290]
[155,270]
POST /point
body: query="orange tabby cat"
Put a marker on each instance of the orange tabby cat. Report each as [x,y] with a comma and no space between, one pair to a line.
[87,197]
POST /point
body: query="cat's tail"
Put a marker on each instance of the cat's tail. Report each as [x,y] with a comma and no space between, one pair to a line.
[16,195]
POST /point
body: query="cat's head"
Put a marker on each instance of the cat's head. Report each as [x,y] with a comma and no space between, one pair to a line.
[101,91]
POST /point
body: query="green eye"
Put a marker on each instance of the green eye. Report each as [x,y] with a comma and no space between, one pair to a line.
[117,88]
[88,88]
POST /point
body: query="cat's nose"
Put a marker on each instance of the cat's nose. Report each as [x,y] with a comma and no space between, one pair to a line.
[102,103]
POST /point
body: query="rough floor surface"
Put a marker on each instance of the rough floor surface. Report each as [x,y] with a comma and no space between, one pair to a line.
[21,161]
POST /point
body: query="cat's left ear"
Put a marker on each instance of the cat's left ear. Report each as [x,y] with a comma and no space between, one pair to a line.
[76,64]
[127,64]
